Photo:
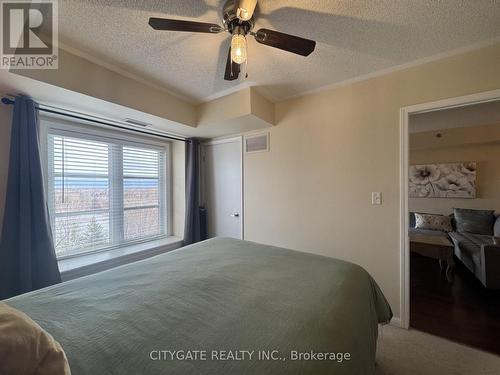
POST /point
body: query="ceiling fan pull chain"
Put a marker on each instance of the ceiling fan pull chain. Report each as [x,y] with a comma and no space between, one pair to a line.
[246,65]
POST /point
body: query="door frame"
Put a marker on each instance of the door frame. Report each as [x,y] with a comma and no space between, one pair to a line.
[404,157]
[212,142]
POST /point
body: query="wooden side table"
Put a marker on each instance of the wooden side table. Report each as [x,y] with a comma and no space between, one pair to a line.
[436,247]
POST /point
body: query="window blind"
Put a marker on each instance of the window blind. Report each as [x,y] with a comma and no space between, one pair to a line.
[104,193]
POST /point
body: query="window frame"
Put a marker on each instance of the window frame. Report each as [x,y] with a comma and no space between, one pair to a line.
[55,125]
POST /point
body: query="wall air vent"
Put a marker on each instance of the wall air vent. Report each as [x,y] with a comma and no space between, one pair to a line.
[257,143]
[142,124]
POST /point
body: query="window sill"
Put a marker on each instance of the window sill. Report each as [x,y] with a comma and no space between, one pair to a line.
[88,264]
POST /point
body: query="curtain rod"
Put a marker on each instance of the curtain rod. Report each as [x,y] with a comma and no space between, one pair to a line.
[91,118]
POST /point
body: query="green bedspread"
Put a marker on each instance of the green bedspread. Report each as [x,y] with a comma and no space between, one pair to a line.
[229,306]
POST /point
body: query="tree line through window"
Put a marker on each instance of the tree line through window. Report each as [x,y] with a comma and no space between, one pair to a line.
[104,194]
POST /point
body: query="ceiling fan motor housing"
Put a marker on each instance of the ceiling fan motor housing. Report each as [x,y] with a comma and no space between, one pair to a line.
[238,18]
[233,24]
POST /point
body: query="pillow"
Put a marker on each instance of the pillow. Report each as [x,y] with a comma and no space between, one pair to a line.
[26,348]
[433,222]
[412,220]
[474,221]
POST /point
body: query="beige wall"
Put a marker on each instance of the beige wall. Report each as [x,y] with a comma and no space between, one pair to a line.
[478,143]
[87,85]
[83,76]
[330,150]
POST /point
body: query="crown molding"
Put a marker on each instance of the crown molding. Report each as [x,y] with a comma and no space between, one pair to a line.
[244,85]
[382,72]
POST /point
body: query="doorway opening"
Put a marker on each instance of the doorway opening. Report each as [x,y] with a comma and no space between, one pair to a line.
[450,176]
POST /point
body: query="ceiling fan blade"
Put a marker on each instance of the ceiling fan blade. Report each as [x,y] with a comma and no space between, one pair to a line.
[245,9]
[232,69]
[286,42]
[179,25]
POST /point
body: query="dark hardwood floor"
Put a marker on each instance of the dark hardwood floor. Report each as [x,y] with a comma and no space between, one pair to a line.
[463,311]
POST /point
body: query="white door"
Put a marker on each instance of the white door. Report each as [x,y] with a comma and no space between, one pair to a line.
[223,187]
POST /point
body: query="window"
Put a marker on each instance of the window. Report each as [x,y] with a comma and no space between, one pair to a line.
[105,190]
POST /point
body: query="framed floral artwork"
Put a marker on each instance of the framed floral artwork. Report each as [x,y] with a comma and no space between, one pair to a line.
[457,180]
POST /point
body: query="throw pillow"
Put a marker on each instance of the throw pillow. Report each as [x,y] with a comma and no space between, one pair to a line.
[26,348]
[474,221]
[433,222]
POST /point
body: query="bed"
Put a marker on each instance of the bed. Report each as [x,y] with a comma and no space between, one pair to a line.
[295,312]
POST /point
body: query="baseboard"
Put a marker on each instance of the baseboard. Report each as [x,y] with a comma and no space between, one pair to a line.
[396,322]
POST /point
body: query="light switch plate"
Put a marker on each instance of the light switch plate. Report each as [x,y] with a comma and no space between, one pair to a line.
[376,197]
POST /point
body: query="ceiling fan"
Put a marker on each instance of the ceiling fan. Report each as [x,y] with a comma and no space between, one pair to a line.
[238,20]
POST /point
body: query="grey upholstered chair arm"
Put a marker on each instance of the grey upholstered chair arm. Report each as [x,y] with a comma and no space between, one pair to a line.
[490,264]
[496,227]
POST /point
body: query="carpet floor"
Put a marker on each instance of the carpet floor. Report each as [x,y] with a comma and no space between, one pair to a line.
[411,352]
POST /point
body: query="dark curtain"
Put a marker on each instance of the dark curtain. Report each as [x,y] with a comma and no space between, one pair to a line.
[27,256]
[193,230]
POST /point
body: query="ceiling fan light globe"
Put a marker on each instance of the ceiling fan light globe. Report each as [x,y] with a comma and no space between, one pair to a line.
[245,9]
[238,49]
[243,14]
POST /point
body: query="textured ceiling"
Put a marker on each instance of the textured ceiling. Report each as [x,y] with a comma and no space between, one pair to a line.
[355,38]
